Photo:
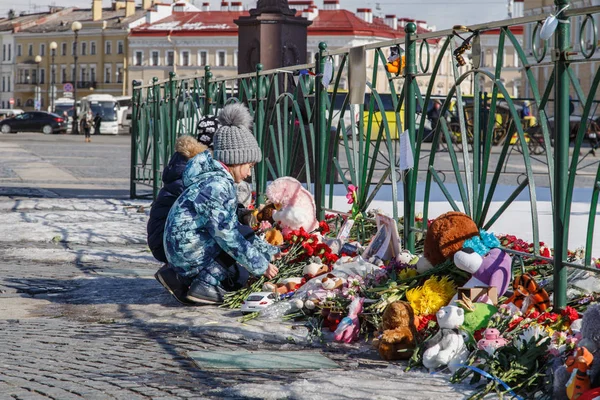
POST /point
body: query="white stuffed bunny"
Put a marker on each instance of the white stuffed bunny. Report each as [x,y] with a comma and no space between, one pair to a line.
[447,347]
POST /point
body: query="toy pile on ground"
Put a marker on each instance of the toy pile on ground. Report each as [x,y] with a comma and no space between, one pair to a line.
[461,307]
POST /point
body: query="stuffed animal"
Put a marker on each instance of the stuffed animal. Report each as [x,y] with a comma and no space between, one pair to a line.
[315,268]
[274,236]
[395,63]
[477,315]
[295,206]
[265,213]
[406,257]
[578,366]
[487,263]
[349,327]
[445,236]
[528,295]
[285,286]
[491,338]
[399,329]
[331,282]
[447,347]
[590,339]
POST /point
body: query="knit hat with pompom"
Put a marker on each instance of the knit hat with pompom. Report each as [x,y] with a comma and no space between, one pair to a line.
[234,142]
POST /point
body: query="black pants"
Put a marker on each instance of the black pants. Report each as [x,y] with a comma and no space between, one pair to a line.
[87,132]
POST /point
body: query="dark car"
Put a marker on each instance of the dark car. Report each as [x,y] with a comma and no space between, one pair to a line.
[34,121]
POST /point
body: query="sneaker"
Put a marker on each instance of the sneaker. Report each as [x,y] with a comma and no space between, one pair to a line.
[202,292]
[174,283]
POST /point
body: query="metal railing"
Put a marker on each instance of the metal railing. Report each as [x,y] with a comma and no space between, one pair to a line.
[305,125]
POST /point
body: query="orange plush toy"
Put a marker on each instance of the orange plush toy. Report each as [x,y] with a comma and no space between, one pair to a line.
[398,339]
[445,236]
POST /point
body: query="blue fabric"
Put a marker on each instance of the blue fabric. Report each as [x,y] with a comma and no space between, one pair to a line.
[203,221]
[172,178]
[483,243]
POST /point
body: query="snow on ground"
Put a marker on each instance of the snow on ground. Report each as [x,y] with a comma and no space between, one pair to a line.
[380,384]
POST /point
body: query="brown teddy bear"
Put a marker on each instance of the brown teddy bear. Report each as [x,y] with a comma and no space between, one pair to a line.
[445,236]
[399,330]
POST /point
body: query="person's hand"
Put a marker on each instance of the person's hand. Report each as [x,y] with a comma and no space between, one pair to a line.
[278,256]
[271,271]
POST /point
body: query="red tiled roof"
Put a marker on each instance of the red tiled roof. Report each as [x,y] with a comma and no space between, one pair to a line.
[220,23]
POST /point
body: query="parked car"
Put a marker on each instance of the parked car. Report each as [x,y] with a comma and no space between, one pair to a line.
[34,121]
[257,301]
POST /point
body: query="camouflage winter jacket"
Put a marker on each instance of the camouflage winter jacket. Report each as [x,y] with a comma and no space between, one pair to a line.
[203,221]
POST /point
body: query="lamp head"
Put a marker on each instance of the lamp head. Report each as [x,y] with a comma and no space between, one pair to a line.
[38,59]
[53,45]
[76,26]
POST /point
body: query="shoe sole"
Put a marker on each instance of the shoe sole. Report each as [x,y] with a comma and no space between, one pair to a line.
[202,300]
[162,282]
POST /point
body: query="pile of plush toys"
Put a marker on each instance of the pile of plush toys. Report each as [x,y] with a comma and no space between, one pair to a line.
[452,236]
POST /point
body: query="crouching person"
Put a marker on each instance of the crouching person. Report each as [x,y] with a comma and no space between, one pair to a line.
[204,244]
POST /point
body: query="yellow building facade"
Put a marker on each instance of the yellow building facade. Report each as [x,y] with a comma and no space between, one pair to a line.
[90,60]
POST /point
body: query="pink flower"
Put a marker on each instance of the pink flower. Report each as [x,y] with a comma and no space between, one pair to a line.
[351,195]
[264,225]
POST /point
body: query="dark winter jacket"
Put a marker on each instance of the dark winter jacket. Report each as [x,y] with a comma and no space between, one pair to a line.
[173,186]
[186,148]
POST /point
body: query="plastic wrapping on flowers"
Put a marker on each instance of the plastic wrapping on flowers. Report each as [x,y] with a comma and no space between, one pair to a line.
[534,341]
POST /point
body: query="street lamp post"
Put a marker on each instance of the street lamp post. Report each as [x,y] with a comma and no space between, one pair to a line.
[75,27]
[53,47]
[38,91]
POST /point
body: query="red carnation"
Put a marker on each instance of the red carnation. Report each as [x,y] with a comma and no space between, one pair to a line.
[424,321]
[323,227]
[545,317]
[478,334]
[570,313]
[308,249]
[514,323]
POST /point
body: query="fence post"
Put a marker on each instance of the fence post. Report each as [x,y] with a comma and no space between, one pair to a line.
[207,98]
[172,132]
[155,138]
[320,134]
[561,157]
[259,123]
[134,135]
[410,109]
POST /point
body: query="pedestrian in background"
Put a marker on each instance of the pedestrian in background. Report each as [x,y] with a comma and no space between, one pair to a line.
[97,123]
[86,125]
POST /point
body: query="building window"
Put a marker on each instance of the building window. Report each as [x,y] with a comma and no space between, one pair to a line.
[107,73]
[120,47]
[203,57]
[63,73]
[221,58]
[63,50]
[83,48]
[170,58]
[138,58]
[119,74]
[108,47]
[235,58]
[21,76]
[30,50]
[4,53]
[73,48]
[92,48]
[8,83]
[185,58]
[92,73]
[19,51]
[34,77]
[9,51]
[83,74]
[42,75]
[19,102]
[154,59]
[73,74]
[42,49]
[4,84]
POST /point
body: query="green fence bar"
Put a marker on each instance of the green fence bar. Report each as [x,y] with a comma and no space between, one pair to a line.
[561,148]
[410,108]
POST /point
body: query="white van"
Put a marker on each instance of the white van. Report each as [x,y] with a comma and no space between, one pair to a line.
[7,112]
[107,107]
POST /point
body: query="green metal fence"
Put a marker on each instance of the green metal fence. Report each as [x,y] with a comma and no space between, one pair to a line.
[303,123]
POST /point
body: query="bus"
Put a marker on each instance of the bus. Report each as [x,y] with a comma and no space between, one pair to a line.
[108,108]
[124,103]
